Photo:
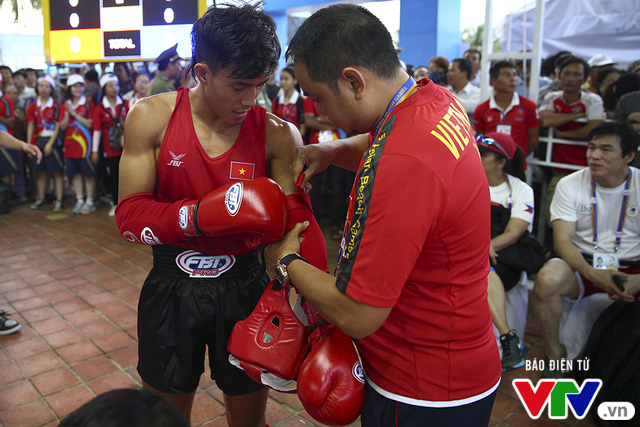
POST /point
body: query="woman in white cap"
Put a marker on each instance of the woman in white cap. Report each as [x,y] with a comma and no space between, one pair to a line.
[77,123]
[108,131]
[43,127]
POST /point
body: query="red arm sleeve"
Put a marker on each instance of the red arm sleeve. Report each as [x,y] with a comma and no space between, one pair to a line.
[313,246]
[142,219]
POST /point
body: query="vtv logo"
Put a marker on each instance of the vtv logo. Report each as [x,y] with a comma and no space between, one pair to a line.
[557,393]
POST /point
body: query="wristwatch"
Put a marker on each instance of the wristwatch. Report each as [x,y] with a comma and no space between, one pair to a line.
[281,267]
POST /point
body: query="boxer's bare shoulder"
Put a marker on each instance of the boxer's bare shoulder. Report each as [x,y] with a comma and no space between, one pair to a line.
[150,116]
[281,140]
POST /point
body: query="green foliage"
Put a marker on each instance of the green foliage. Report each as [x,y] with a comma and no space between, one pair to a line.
[15,5]
[473,36]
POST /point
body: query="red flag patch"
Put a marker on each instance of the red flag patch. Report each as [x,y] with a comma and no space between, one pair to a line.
[243,171]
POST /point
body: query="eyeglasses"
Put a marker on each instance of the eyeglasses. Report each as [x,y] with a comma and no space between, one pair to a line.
[488,141]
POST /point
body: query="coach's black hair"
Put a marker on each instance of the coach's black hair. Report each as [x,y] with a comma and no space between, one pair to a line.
[241,38]
[340,36]
[629,138]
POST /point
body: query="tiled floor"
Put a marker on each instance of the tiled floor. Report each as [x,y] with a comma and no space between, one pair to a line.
[73,283]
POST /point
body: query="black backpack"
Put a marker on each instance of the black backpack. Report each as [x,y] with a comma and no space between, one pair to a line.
[613,349]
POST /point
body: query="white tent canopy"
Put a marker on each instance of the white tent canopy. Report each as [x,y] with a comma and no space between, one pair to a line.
[584,27]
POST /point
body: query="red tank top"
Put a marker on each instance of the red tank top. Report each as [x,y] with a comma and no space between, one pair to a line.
[185,170]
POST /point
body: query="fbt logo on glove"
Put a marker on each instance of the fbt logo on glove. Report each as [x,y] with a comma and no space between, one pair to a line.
[558,394]
[233,198]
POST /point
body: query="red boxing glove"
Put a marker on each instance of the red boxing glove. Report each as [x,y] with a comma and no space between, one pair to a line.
[257,207]
[313,247]
[331,380]
[271,343]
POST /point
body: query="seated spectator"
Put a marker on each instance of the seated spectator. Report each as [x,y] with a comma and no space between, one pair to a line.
[506,111]
[459,80]
[421,72]
[511,217]
[560,110]
[474,56]
[126,407]
[586,229]
[597,63]
[606,77]
[438,67]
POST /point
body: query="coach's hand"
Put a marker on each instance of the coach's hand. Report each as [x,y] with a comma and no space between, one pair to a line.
[311,159]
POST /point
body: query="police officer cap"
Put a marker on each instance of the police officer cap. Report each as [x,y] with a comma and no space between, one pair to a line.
[169,55]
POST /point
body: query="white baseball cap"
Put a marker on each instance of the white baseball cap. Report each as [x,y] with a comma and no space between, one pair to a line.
[600,60]
[106,78]
[74,79]
[49,80]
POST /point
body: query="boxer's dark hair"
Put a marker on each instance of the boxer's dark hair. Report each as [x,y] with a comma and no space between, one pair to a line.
[241,38]
[340,36]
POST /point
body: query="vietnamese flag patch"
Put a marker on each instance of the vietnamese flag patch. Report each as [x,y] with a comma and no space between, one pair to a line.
[243,171]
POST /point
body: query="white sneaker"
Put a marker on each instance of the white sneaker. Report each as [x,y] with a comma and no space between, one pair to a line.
[112,212]
[78,207]
[87,208]
[57,206]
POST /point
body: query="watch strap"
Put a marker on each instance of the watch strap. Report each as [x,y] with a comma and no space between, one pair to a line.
[288,259]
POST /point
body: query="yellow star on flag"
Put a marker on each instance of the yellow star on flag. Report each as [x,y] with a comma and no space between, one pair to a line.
[242,171]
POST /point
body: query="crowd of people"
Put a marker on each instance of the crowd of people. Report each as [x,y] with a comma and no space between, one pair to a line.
[77,121]
[410,289]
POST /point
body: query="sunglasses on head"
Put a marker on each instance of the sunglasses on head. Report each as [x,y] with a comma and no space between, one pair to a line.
[488,141]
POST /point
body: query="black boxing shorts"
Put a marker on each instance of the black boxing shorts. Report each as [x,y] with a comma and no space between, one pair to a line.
[188,301]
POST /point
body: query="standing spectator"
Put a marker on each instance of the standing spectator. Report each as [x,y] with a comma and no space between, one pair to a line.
[474,56]
[77,123]
[597,63]
[560,110]
[108,132]
[123,72]
[140,89]
[32,78]
[506,111]
[554,85]
[43,128]
[594,215]
[459,77]
[25,93]
[168,71]
[272,87]
[8,165]
[288,105]
[92,88]
[627,99]
[7,76]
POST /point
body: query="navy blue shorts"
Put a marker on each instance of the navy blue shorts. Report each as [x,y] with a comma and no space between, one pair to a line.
[75,166]
[7,162]
[181,311]
[380,411]
[51,163]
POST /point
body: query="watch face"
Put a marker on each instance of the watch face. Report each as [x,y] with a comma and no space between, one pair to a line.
[281,274]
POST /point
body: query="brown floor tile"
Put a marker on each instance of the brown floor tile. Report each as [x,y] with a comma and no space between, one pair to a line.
[55,381]
[94,368]
[63,338]
[100,298]
[296,422]
[19,294]
[40,363]
[113,308]
[112,382]
[81,317]
[126,357]
[26,348]
[98,328]
[78,352]
[37,314]
[71,306]
[37,279]
[10,374]
[29,303]
[126,319]
[49,326]
[289,399]
[34,414]
[113,341]
[205,408]
[276,413]
[48,288]
[67,401]
[17,394]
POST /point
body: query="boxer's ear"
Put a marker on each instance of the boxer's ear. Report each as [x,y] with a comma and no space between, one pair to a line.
[202,71]
[355,80]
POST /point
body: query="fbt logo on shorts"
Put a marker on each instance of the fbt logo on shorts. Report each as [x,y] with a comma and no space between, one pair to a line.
[199,265]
